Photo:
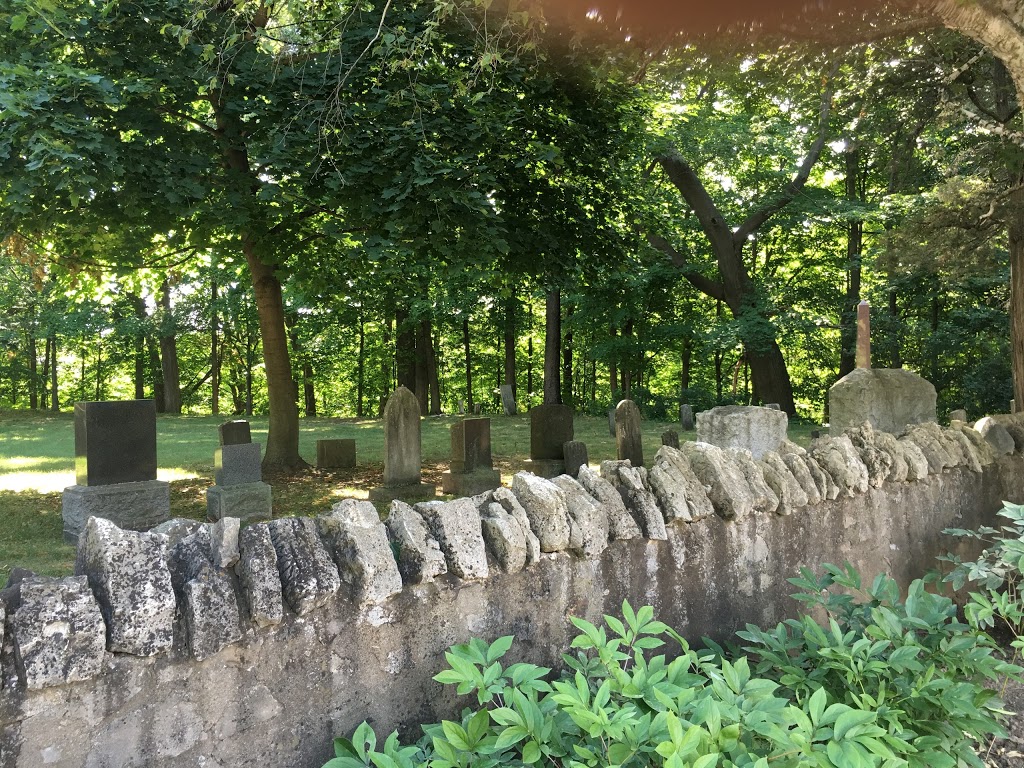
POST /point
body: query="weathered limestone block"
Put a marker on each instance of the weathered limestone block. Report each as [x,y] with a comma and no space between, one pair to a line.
[176,529]
[504,537]
[590,518]
[211,612]
[840,459]
[259,576]
[971,453]
[998,437]
[827,486]
[932,446]
[1017,433]
[680,493]
[621,524]
[797,467]
[765,498]
[753,428]
[889,398]
[188,557]
[419,555]
[982,447]
[309,577]
[878,463]
[58,632]
[888,443]
[359,543]
[128,573]
[224,542]
[456,526]
[631,483]
[952,450]
[727,487]
[917,460]
[545,507]
[510,504]
[788,489]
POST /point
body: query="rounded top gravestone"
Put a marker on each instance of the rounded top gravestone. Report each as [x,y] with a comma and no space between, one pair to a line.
[628,438]
[402,438]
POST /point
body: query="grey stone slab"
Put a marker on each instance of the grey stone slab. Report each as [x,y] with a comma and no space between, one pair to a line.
[791,493]
[210,610]
[237,464]
[813,488]
[309,577]
[336,454]
[359,543]
[258,575]
[253,501]
[727,487]
[457,528]
[765,498]
[176,529]
[680,493]
[634,488]
[224,542]
[550,429]
[752,428]
[236,432]
[471,445]
[132,506]
[508,400]
[58,632]
[129,574]
[576,456]
[510,504]
[402,449]
[545,508]
[470,483]
[621,524]
[115,442]
[879,463]
[418,554]
[670,438]
[686,422]
[629,444]
[585,514]
[504,537]
[996,435]
[888,398]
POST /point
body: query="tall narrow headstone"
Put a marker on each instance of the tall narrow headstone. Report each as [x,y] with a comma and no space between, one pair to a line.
[686,417]
[863,335]
[508,400]
[550,429]
[629,443]
[238,490]
[670,438]
[576,456]
[402,450]
[115,468]
[472,471]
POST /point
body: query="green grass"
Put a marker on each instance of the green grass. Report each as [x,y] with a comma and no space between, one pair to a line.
[37,462]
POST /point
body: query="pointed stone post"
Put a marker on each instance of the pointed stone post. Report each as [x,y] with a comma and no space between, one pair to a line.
[863,335]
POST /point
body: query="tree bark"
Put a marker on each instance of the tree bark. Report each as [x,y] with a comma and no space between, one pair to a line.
[405,350]
[511,306]
[552,347]
[214,351]
[432,377]
[469,362]
[567,388]
[1016,246]
[54,393]
[169,353]
[361,366]
[33,371]
[854,248]
[423,365]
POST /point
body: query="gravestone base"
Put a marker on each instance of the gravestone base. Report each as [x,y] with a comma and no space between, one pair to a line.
[545,467]
[132,506]
[470,483]
[335,454]
[408,492]
[247,502]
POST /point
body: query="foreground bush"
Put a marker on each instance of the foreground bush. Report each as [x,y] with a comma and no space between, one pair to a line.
[883,683]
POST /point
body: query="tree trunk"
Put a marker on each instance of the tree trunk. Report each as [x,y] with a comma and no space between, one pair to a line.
[405,350]
[45,376]
[1016,246]
[432,378]
[169,353]
[214,351]
[422,365]
[567,389]
[361,366]
[685,363]
[54,394]
[387,366]
[469,362]
[511,305]
[854,247]
[33,372]
[529,370]
[552,347]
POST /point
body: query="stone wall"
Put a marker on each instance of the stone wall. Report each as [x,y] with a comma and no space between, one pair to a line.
[197,647]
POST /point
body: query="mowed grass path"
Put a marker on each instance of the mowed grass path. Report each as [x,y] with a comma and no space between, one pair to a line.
[37,462]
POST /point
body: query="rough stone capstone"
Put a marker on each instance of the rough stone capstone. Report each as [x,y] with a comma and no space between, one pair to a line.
[58,632]
[686,421]
[727,487]
[813,488]
[211,612]
[971,454]
[258,575]
[1017,433]
[629,443]
[237,464]
[550,429]
[508,400]
[765,498]
[115,442]
[589,517]
[888,443]
[958,415]
[504,537]
[224,542]
[827,486]
[917,461]
[457,528]
[576,456]
[838,457]
[997,436]
[338,453]
[176,529]
[128,573]
[359,543]
[309,577]
[621,524]
[878,463]
[934,446]
[790,492]
[510,504]
[419,555]
[986,455]
[670,438]
[632,484]
[546,509]
[680,494]
[888,398]
[756,429]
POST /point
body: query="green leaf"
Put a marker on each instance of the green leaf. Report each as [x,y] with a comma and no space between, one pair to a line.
[531,752]
[18,22]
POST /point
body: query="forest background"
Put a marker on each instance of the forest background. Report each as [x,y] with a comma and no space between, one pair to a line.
[293,207]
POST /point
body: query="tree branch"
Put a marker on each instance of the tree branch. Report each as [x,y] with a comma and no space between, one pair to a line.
[705,285]
[711,219]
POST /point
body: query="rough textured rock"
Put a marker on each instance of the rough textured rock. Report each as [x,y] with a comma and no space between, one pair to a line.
[259,576]
[788,489]
[877,462]
[58,632]
[1017,433]
[888,398]
[680,493]
[176,529]
[504,537]
[834,459]
[917,461]
[765,498]
[419,555]
[814,490]
[727,487]
[972,455]
[359,543]
[621,524]
[546,509]
[888,443]
[982,447]
[953,453]
[590,517]
[631,483]
[934,453]
[128,573]
[752,428]
[308,575]
[510,503]
[998,437]
[456,526]
[211,612]
[224,542]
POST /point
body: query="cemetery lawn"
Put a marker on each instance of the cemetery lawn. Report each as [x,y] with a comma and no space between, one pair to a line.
[37,462]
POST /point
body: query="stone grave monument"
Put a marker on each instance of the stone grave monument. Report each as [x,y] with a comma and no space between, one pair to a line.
[686,421]
[629,444]
[336,454]
[576,456]
[239,490]
[402,451]
[508,400]
[471,469]
[550,430]
[670,438]
[115,468]
[758,430]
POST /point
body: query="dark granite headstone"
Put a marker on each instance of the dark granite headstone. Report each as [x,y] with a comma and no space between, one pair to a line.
[471,445]
[550,429]
[335,454]
[235,432]
[237,464]
[576,456]
[628,438]
[670,438]
[115,442]
[686,418]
